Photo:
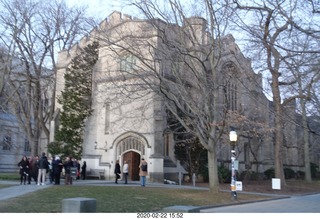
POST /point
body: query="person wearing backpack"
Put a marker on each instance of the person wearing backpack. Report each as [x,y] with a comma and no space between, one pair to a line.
[43,165]
[143,171]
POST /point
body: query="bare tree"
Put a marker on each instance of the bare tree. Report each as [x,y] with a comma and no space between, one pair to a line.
[32,33]
[276,27]
[175,56]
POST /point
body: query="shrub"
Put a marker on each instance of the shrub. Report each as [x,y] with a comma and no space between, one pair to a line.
[269,173]
[248,175]
[314,169]
[288,173]
[204,172]
[300,174]
[224,174]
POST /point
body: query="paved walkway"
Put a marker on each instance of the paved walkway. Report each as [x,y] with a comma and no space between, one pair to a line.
[280,203]
[293,204]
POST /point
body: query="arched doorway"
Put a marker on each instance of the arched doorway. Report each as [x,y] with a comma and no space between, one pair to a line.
[133,160]
[130,147]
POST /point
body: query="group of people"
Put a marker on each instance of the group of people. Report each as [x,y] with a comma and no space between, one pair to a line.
[143,171]
[28,169]
[37,169]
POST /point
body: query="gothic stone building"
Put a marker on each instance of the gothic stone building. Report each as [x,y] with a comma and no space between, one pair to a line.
[131,128]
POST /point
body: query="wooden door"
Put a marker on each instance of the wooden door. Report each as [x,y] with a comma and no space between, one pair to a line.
[133,160]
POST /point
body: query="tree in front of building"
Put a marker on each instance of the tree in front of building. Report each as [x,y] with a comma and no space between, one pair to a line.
[29,41]
[76,100]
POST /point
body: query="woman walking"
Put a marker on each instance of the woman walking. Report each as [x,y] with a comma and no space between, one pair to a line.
[117,171]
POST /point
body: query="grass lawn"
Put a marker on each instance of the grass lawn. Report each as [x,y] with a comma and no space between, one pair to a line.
[111,199]
[126,199]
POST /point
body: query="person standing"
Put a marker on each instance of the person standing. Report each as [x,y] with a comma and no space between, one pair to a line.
[51,175]
[33,169]
[78,169]
[24,169]
[143,171]
[84,170]
[68,164]
[117,171]
[57,169]
[43,165]
[125,171]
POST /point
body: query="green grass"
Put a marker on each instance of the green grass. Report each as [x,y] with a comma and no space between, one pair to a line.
[111,199]
[9,176]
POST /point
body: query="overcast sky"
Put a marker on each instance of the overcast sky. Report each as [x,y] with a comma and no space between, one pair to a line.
[101,8]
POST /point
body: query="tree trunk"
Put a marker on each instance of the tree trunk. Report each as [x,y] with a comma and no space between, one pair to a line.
[213,169]
[306,143]
[278,165]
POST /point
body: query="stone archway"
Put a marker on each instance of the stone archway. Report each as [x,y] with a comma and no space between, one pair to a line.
[131,147]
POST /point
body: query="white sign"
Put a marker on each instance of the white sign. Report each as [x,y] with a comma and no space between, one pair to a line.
[238,186]
[276,183]
[236,164]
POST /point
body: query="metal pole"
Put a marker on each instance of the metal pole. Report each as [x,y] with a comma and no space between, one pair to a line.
[233,176]
[194,179]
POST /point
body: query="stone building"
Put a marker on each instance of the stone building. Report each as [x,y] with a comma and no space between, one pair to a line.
[14,141]
[129,128]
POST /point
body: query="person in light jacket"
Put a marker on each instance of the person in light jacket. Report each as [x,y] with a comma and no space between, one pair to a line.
[125,171]
[143,171]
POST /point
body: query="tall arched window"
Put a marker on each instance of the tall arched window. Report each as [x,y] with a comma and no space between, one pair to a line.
[232,95]
[231,86]
[107,118]
[7,143]
[27,147]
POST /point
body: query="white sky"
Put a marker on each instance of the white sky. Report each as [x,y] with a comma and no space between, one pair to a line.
[101,8]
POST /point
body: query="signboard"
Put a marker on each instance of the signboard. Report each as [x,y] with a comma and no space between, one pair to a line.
[238,186]
[236,164]
[276,183]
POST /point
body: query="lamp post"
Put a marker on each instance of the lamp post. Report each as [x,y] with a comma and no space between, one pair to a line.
[233,139]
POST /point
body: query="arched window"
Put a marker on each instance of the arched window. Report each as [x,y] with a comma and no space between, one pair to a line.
[127,63]
[232,95]
[231,86]
[7,143]
[27,147]
[107,118]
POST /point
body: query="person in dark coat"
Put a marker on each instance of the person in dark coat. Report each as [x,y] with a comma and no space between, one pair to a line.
[24,169]
[67,168]
[33,169]
[117,171]
[84,170]
[57,169]
[43,165]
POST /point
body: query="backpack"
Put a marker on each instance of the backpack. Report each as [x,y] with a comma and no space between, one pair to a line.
[43,163]
[144,167]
